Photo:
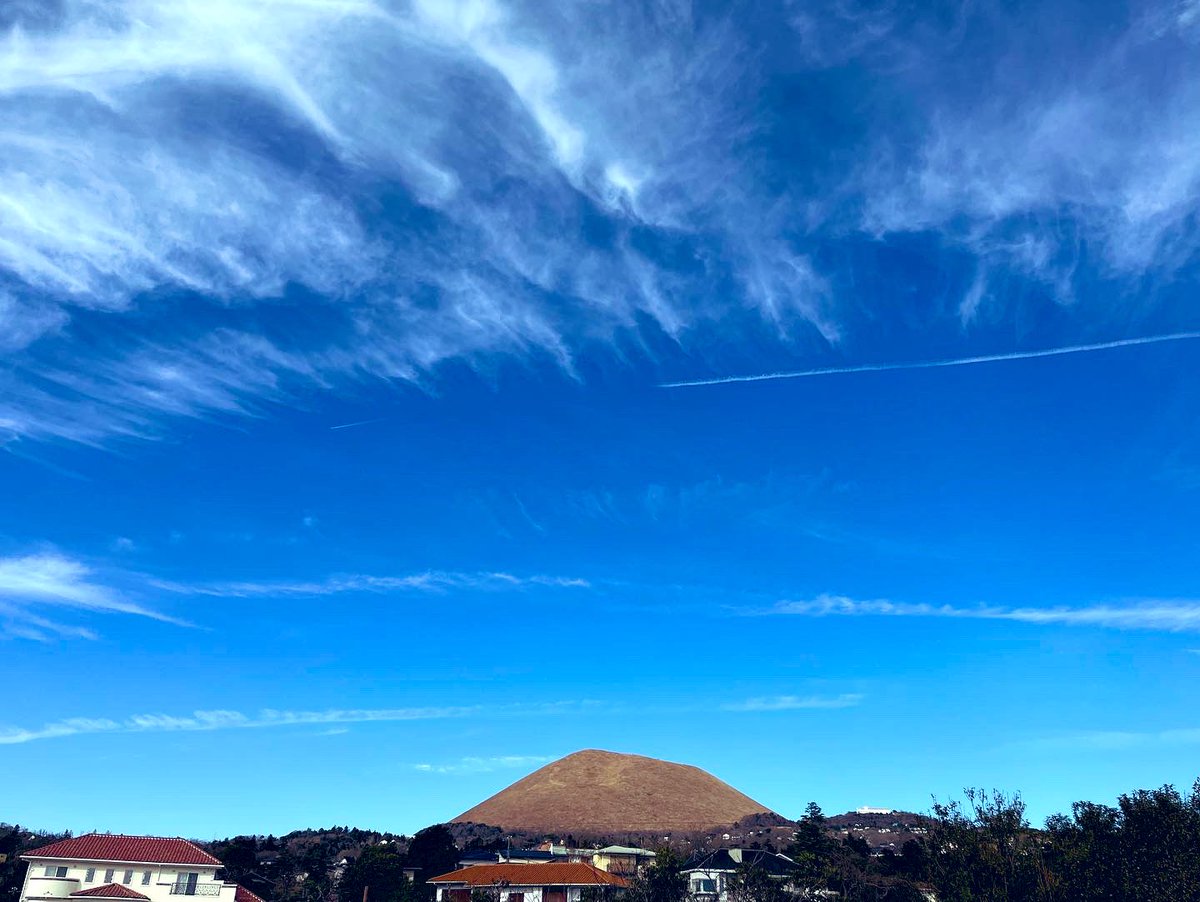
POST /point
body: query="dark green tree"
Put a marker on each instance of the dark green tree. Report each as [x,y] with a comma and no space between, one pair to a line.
[813,851]
[432,852]
[987,852]
[661,882]
[1148,847]
[751,883]
[380,871]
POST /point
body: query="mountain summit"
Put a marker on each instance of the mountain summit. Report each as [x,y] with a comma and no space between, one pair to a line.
[606,792]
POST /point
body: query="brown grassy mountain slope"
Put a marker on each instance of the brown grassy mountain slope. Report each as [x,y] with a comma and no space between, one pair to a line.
[606,792]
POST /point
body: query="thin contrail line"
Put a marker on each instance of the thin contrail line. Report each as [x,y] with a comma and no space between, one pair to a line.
[359,423]
[929,364]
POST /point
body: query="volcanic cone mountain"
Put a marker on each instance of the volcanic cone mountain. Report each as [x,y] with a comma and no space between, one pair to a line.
[606,792]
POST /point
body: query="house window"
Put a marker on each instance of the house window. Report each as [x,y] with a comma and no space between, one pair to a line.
[146,878]
[128,878]
[89,875]
[52,871]
[704,886]
[516,897]
[108,875]
[185,884]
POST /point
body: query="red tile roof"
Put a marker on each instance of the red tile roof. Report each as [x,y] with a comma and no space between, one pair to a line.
[133,849]
[111,891]
[244,895]
[555,873]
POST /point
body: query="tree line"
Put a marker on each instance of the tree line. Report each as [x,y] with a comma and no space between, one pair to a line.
[980,849]
[983,849]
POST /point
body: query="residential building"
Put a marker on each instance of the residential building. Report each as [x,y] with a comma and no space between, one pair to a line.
[709,873]
[559,881]
[104,866]
[627,861]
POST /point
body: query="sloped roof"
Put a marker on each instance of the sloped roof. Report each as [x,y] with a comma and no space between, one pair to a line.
[111,891]
[721,860]
[627,850]
[121,848]
[244,895]
[556,873]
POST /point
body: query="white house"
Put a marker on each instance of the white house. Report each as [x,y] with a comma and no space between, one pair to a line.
[104,866]
[709,873]
[559,881]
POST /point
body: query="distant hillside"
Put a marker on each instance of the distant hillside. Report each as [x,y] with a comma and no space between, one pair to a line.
[881,831]
[593,792]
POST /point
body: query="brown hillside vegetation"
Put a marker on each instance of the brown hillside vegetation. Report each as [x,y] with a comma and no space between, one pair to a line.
[606,792]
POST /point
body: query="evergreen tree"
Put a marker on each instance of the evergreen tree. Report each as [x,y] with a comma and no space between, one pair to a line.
[432,852]
[661,882]
[380,871]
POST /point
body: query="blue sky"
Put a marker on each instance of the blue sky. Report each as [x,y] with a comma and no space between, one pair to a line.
[342,484]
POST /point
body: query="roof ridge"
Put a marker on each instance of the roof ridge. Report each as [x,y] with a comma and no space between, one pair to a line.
[126,847]
[131,836]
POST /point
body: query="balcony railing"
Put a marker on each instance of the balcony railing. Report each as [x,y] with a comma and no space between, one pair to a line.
[196,889]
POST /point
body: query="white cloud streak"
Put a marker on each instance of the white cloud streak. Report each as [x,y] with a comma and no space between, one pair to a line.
[428,581]
[797,703]
[475,765]
[51,580]
[209,720]
[30,584]
[1173,616]
[934,364]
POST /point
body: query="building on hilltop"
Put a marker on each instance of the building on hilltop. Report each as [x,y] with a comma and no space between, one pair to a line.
[709,873]
[559,881]
[103,866]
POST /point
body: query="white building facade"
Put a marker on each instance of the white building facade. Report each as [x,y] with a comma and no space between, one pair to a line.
[102,866]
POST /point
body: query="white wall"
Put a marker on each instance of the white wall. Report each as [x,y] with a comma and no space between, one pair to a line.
[532,893]
[162,881]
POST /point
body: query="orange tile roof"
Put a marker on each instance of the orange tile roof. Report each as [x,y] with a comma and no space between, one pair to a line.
[120,848]
[110,891]
[244,895]
[554,873]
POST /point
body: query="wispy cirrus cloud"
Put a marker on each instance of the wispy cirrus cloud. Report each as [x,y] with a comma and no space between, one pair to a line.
[172,165]
[208,720]
[1173,616]
[32,583]
[427,581]
[1056,169]
[240,202]
[1113,740]
[796,702]
[476,765]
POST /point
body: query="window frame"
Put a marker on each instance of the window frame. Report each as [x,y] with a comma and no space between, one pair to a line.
[186,882]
